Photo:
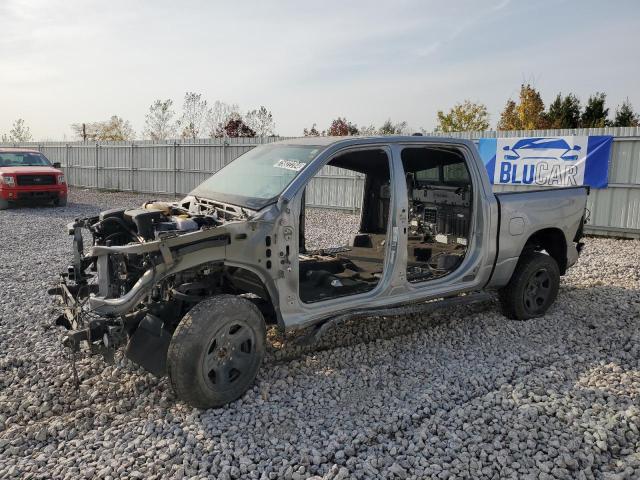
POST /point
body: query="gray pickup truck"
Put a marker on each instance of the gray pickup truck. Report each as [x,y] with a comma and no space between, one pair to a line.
[188,288]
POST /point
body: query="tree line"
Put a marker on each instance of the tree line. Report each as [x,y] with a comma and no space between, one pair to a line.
[529,113]
[200,119]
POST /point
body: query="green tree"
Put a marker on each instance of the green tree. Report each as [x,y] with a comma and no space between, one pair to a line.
[465,116]
[595,114]
[564,112]
[625,116]
[528,114]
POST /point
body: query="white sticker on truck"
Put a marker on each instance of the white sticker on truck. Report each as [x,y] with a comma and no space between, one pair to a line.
[289,165]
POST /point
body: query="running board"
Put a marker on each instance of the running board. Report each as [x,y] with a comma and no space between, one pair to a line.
[405,309]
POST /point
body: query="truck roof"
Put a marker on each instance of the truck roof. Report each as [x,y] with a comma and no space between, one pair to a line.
[326,141]
[18,150]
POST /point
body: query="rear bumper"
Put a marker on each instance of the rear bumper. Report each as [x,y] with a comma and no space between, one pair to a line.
[35,194]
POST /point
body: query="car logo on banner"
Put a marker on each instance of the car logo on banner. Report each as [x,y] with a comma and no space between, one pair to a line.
[543,161]
[564,161]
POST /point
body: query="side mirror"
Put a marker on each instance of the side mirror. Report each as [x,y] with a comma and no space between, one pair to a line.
[57,165]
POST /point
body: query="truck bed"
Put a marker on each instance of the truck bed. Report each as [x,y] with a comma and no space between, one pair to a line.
[559,211]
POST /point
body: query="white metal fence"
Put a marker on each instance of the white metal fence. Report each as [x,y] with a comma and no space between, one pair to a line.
[176,167]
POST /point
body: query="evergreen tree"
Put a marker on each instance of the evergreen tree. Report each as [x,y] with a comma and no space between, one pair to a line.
[625,116]
[595,114]
[564,112]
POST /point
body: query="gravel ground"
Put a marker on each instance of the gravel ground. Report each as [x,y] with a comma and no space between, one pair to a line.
[460,394]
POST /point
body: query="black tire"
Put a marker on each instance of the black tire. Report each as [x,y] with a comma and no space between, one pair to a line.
[533,287]
[216,351]
[60,202]
[4,204]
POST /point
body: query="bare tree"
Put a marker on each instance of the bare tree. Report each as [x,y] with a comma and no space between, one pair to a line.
[368,131]
[261,122]
[87,131]
[159,123]
[390,128]
[19,133]
[116,129]
[218,116]
[194,114]
[313,132]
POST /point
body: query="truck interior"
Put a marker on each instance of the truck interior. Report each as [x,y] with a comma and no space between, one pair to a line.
[340,270]
[440,194]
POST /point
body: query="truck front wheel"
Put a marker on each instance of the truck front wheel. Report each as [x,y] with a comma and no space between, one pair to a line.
[4,204]
[533,287]
[216,351]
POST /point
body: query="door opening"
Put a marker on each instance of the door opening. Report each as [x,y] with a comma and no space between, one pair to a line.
[440,192]
[352,262]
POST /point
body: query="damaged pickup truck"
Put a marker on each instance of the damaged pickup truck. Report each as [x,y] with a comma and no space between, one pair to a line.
[188,288]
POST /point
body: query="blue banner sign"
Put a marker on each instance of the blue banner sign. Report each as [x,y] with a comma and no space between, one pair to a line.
[547,161]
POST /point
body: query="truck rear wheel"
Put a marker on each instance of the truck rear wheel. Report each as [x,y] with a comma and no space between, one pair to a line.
[533,287]
[216,351]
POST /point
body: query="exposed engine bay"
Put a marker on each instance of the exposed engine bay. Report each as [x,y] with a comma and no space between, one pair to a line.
[122,290]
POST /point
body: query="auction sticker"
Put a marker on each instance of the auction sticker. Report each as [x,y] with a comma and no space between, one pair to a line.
[290,165]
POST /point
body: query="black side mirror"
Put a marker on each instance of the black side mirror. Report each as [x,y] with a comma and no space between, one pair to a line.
[57,165]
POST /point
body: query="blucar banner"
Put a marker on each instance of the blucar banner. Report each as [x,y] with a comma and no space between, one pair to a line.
[547,161]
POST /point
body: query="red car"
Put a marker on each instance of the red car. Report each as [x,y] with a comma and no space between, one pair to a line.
[28,176]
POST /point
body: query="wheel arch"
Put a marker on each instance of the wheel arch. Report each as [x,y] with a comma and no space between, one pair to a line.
[251,280]
[553,242]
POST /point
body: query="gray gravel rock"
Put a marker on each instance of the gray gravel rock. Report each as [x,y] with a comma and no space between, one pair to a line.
[462,393]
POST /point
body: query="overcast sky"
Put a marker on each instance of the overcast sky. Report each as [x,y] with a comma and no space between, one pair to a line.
[66,61]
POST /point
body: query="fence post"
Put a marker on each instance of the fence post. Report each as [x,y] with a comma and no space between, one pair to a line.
[66,163]
[354,196]
[175,168]
[224,151]
[97,171]
[132,167]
